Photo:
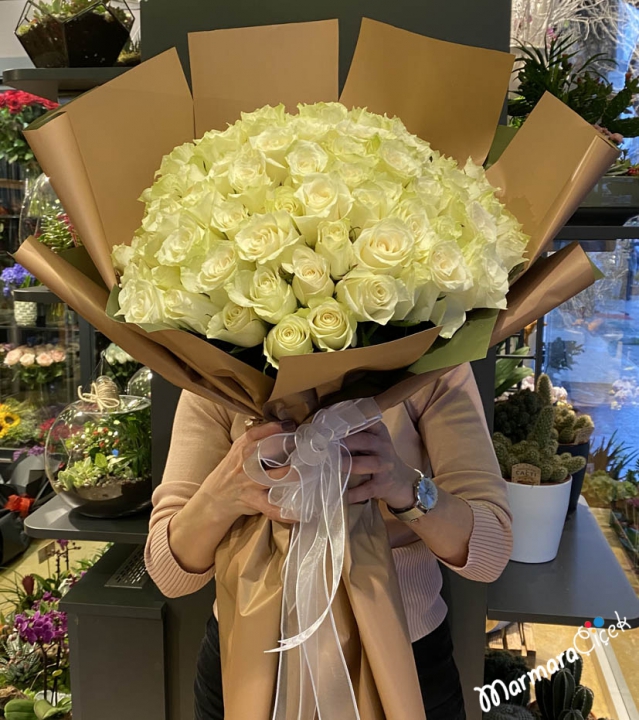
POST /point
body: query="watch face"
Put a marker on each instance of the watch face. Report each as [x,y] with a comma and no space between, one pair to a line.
[427,494]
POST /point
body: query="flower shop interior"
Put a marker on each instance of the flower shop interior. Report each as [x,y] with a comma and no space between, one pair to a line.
[84,631]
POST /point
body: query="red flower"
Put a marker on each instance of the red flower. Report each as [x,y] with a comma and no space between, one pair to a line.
[20,504]
[14,106]
[28,583]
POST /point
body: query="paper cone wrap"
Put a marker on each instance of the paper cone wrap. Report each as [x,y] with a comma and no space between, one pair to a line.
[103,149]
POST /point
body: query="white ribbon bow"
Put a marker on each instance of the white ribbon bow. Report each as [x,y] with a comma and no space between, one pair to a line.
[312,492]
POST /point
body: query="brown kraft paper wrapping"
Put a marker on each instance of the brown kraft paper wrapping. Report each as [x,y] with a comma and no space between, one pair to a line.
[99,166]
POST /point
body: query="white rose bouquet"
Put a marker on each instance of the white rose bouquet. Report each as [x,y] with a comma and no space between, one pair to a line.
[315,232]
[323,246]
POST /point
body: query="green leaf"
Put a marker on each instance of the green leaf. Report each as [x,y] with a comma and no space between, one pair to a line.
[101,461]
[628,127]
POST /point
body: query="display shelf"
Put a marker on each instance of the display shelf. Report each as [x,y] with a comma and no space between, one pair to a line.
[38,294]
[584,581]
[56,520]
[51,83]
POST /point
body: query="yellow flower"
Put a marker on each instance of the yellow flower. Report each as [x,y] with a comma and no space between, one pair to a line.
[9,419]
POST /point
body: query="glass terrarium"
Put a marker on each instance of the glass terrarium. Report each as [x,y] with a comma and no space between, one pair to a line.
[140,383]
[74,33]
[99,459]
[43,216]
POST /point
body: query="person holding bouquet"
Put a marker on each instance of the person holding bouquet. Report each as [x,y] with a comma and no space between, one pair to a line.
[430,463]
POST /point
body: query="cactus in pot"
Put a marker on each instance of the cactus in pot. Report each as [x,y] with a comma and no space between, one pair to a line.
[570,425]
[562,697]
[539,450]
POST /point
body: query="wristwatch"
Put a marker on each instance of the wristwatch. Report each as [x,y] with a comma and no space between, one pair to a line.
[425,499]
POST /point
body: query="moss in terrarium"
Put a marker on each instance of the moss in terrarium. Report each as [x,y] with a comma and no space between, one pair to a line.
[111,450]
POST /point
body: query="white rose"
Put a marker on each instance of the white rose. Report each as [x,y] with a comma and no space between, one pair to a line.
[237,325]
[249,179]
[449,313]
[253,123]
[185,243]
[324,197]
[265,237]
[419,300]
[142,303]
[215,145]
[411,210]
[311,277]
[371,298]
[433,194]
[310,128]
[348,149]
[121,256]
[305,158]
[109,353]
[448,268]
[399,160]
[334,244]
[354,174]
[228,216]
[174,162]
[332,324]
[213,270]
[385,247]
[166,278]
[27,359]
[291,336]
[373,202]
[283,198]
[265,291]
[122,356]
[274,141]
[328,112]
[190,310]
[490,278]
[511,241]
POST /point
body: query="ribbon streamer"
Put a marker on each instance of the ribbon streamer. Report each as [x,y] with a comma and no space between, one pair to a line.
[312,493]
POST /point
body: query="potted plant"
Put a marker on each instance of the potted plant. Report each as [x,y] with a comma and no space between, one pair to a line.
[555,68]
[539,482]
[574,432]
[74,33]
[12,278]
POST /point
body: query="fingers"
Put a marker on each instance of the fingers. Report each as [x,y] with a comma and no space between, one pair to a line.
[369,465]
[362,493]
[361,442]
[259,432]
[260,503]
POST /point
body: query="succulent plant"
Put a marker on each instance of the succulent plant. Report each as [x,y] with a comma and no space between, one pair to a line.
[562,697]
[539,450]
[508,712]
[569,424]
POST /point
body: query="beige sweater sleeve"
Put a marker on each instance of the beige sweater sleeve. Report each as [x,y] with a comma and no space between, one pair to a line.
[453,427]
[200,440]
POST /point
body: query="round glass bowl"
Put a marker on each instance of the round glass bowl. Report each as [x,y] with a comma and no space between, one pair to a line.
[99,461]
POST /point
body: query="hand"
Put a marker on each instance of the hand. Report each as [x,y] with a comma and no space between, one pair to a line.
[374,454]
[232,490]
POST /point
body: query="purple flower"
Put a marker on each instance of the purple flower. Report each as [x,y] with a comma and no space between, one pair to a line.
[18,454]
[36,450]
[15,276]
[41,628]
[63,544]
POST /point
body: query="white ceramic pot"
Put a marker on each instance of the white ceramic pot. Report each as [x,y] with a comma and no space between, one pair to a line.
[539,513]
[25,313]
